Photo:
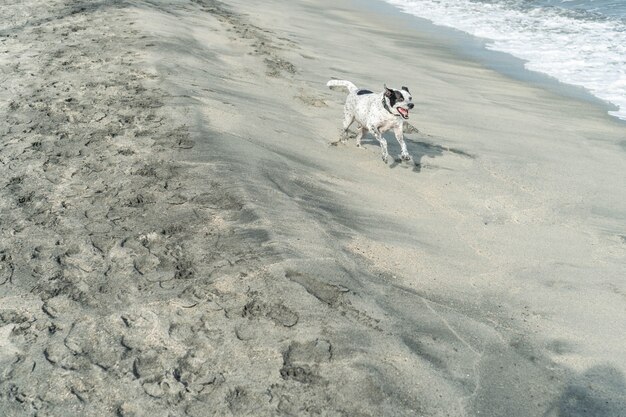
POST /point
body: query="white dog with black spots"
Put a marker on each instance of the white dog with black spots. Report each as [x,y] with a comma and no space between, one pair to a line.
[376,113]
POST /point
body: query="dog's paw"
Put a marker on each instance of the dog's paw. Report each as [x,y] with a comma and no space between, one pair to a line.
[405,157]
[385,158]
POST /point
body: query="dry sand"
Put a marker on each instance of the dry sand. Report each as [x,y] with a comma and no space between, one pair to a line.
[179,237]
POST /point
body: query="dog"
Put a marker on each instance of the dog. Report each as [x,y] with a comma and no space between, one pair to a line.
[376,113]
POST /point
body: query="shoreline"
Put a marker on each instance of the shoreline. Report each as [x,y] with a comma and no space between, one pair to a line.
[202,249]
[475,48]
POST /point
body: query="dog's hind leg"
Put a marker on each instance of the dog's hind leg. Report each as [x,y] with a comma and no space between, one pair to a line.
[382,141]
[359,136]
[404,155]
[348,118]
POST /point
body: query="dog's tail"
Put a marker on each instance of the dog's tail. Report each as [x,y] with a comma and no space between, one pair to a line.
[343,83]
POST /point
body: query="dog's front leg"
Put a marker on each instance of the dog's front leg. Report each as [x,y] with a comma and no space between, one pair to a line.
[404,155]
[381,140]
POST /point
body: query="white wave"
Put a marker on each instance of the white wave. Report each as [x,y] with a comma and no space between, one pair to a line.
[583,52]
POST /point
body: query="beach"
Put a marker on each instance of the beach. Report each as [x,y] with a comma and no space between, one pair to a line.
[182,234]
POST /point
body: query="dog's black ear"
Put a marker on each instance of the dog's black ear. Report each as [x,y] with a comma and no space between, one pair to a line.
[406,89]
[388,92]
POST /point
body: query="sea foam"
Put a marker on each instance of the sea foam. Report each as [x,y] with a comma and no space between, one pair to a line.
[578,47]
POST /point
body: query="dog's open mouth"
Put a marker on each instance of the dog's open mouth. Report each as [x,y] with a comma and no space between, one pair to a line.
[403,112]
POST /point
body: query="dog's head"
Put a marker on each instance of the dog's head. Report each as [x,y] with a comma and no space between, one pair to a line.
[399,101]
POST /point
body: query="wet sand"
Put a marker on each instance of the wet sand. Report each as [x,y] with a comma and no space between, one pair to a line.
[181,236]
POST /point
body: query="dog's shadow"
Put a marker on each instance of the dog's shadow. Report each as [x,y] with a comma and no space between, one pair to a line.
[418,144]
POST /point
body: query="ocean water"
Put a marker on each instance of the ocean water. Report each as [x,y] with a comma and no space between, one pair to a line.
[579,42]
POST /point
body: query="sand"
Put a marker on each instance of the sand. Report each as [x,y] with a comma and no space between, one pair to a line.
[180,235]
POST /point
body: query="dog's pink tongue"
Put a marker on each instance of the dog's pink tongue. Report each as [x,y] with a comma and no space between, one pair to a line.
[402,111]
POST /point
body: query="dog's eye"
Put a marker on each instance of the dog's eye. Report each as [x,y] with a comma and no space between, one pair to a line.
[399,96]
